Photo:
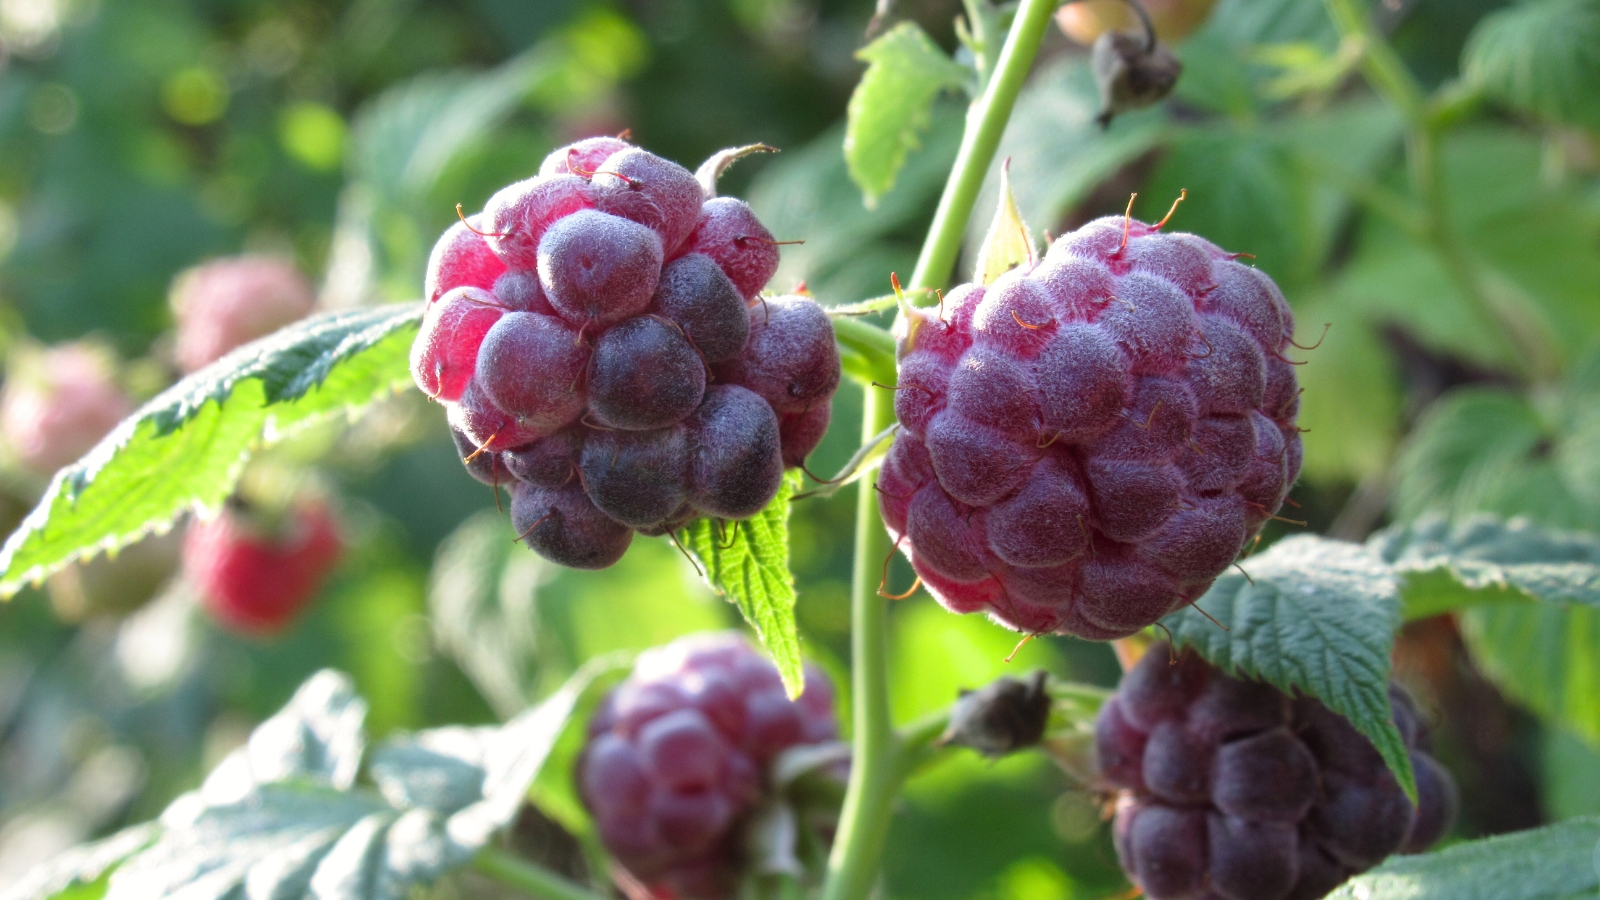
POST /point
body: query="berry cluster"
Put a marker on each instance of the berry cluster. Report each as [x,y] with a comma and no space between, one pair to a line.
[679,752]
[1087,445]
[254,578]
[596,335]
[1231,790]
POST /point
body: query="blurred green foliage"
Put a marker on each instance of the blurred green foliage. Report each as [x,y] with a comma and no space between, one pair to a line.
[142,136]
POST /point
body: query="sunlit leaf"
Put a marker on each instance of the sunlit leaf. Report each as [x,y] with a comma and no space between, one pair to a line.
[185,449]
[747,561]
[888,112]
[1315,616]
[1008,243]
[1556,862]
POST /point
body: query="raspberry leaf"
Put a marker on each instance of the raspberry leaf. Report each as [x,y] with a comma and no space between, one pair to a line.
[1540,58]
[889,109]
[1550,863]
[482,601]
[1009,243]
[81,865]
[1485,559]
[747,561]
[185,449]
[283,815]
[1315,616]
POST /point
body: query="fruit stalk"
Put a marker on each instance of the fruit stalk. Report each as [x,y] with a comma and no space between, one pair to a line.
[534,879]
[875,772]
[986,122]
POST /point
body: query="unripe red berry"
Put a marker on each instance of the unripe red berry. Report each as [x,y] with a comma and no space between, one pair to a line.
[57,404]
[254,580]
[229,302]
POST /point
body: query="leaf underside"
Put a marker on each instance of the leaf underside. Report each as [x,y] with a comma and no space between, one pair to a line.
[1315,616]
[747,561]
[185,449]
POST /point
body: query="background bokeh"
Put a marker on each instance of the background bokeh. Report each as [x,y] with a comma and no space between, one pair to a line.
[141,137]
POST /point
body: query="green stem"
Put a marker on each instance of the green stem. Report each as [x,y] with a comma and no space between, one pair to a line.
[986,122]
[1525,346]
[876,771]
[530,877]
[864,821]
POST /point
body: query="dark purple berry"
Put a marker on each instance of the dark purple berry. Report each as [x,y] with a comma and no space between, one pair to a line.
[695,294]
[485,467]
[639,478]
[550,462]
[644,374]
[676,759]
[801,432]
[532,367]
[736,464]
[597,269]
[562,526]
[1227,789]
[657,193]
[790,358]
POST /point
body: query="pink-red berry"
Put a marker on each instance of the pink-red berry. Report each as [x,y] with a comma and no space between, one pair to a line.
[254,579]
[229,302]
[57,404]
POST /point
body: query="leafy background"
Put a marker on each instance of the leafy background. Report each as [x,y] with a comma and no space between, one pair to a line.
[137,138]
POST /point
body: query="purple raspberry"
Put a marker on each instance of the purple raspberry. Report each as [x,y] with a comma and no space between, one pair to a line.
[679,753]
[1227,789]
[570,333]
[1103,433]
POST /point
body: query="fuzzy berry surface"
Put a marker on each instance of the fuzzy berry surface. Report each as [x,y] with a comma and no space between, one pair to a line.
[1228,789]
[254,578]
[232,301]
[678,754]
[598,339]
[1085,446]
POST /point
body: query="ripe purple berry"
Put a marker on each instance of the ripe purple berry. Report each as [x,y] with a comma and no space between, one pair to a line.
[678,755]
[570,333]
[597,268]
[790,359]
[1107,430]
[1228,784]
[644,374]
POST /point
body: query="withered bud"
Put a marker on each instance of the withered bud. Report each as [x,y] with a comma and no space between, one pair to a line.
[1133,71]
[1001,717]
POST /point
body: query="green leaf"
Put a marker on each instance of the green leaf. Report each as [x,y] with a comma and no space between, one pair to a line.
[1315,616]
[1008,243]
[282,816]
[747,561]
[186,448]
[1541,57]
[1544,657]
[82,865]
[906,70]
[483,603]
[1556,862]
[1487,559]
